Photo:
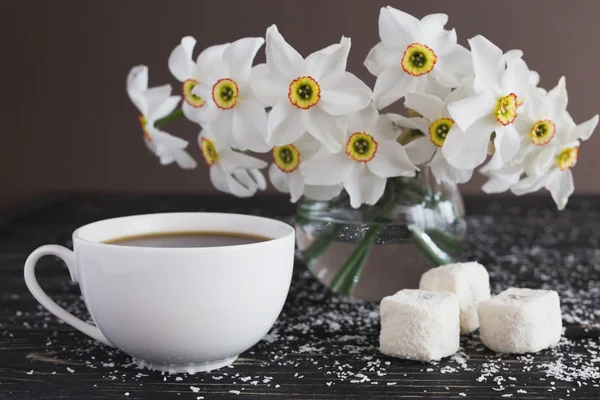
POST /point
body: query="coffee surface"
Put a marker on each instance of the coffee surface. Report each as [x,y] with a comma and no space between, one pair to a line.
[187,239]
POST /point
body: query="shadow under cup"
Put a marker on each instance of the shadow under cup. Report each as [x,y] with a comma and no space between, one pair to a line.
[182,309]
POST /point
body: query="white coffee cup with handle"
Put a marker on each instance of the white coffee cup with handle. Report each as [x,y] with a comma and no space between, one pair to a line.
[176,309]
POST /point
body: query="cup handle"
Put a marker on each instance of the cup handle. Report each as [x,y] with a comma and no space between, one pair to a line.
[32,284]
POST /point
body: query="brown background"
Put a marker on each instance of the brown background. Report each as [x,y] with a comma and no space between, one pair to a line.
[67,123]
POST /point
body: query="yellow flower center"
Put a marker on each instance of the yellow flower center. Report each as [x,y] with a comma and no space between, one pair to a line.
[209,151]
[439,129]
[143,123]
[287,158]
[506,109]
[189,97]
[225,93]
[542,132]
[567,158]
[304,92]
[418,59]
[361,147]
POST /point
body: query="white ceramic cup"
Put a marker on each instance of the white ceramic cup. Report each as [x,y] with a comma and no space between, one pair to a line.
[176,309]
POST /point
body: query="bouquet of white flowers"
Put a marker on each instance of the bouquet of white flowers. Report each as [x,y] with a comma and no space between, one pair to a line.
[322,124]
[329,140]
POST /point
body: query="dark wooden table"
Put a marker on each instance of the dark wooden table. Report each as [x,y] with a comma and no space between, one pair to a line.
[322,346]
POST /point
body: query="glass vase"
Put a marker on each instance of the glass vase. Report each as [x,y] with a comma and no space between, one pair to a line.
[374,251]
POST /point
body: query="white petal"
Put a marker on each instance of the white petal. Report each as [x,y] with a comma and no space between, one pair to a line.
[511,55]
[259,178]
[516,78]
[363,186]
[381,58]
[208,113]
[191,113]
[584,130]
[444,172]
[210,59]
[348,95]
[222,128]
[296,186]
[286,124]
[164,154]
[326,168]
[137,83]
[529,185]
[487,62]
[223,181]
[165,108]
[507,142]
[392,85]
[391,160]
[434,21]
[412,123]
[541,162]
[270,90]
[260,71]
[281,57]
[397,28]
[279,179]
[250,126]
[452,68]
[154,97]
[180,60]
[421,150]
[557,98]
[184,160]
[322,126]
[252,179]
[233,159]
[534,78]
[467,150]
[496,185]
[429,84]
[429,106]
[561,187]
[330,62]
[308,146]
[362,120]
[322,193]
[385,129]
[240,55]
[163,138]
[465,112]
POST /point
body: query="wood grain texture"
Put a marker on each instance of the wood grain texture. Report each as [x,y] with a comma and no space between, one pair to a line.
[322,346]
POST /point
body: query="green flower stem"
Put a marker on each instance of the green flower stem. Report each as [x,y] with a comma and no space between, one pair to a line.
[159,123]
[319,246]
[428,247]
[446,241]
[345,280]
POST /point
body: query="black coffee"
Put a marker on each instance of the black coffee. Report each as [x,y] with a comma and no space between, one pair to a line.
[187,239]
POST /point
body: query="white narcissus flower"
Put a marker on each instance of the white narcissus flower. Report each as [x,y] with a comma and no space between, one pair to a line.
[307,94]
[231,171]
[285,172]
[543,116]
[191,73]
[154,104]
[437,125]
[502,85]
[415,56]
[371,156]
[231,107]
[558,160]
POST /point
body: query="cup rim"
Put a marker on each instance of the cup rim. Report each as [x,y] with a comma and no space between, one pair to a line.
[290,231]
